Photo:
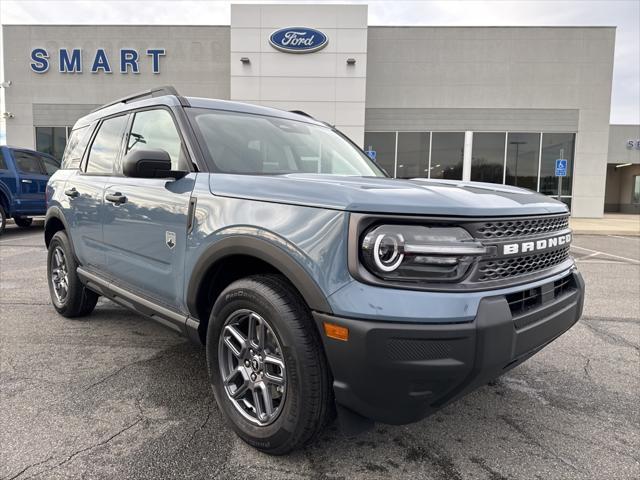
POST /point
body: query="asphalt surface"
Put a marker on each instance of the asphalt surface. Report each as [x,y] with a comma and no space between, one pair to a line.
[119,396]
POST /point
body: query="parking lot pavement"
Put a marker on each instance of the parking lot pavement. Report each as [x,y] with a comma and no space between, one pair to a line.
[118,396]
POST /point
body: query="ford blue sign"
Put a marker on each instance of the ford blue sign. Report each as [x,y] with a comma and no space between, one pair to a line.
[298,40]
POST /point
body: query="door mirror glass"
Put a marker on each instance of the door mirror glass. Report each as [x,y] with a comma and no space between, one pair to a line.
[149,163]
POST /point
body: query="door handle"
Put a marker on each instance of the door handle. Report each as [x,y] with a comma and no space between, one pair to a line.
[116,198]
[71,192]
[24,180]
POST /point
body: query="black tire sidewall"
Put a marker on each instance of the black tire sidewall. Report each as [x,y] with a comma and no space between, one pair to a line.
[3,219]
[278,433]
[72,304]
[23,222]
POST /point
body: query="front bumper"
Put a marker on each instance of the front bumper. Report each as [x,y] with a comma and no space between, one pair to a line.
[398,373]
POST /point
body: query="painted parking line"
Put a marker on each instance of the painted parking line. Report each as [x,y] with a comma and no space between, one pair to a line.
[624,238]
[597,252]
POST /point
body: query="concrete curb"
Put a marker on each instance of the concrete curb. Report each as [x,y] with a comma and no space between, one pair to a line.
[606,232]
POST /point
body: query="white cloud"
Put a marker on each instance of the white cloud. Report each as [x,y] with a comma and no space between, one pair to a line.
[624,14]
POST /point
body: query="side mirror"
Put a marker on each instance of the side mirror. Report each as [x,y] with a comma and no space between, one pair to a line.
[149,163]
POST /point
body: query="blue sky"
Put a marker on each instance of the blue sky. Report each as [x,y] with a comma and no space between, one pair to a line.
[624,14]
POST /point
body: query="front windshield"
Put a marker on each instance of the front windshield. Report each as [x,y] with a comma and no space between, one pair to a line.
[256,144]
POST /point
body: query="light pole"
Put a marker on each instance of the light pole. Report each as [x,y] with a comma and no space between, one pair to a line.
[517,144]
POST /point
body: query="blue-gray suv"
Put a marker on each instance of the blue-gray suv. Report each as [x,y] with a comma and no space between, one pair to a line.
[318,285]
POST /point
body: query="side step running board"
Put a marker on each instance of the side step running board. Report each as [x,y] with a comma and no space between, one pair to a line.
[178,322]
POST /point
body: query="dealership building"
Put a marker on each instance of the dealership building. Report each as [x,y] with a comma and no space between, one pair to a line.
[492,104]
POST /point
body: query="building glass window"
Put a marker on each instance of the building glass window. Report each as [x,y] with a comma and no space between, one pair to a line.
[487,158]
[413,154]
[384,144]
[635,194]
[523,152]
[51,140]
[555,146]
[447,153]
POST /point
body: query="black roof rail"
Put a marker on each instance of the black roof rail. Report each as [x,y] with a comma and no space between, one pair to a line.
[300,112]
[152,92]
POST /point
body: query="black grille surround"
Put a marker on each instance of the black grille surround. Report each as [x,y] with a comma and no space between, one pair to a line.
[499,267]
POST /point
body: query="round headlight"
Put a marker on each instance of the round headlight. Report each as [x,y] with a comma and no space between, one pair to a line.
[386,251]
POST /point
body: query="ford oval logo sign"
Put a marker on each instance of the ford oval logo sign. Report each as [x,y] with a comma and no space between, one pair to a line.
[298,40]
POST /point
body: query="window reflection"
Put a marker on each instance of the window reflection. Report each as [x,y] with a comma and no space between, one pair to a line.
[487,159]
[523,151]
[413,154]
[384,146]
[447,153]
[556,146]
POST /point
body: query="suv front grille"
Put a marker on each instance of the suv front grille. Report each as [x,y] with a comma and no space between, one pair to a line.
[499,269]
[519,227]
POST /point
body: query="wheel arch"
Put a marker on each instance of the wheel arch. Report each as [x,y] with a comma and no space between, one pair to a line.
[252,255]
[54,222]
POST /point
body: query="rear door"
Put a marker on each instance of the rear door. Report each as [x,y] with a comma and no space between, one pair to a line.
[32,182]
[84,190]
[145,234]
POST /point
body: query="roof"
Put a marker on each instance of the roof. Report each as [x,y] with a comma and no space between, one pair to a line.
[172,100]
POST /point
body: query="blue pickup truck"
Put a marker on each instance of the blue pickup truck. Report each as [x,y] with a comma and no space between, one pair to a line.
[23,182]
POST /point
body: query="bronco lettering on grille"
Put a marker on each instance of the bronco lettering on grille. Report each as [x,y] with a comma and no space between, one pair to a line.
[535,245]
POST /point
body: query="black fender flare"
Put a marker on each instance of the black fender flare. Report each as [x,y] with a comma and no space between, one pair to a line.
[56,212]
[265,251]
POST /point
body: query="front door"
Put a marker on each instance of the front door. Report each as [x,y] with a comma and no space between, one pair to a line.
[145,225]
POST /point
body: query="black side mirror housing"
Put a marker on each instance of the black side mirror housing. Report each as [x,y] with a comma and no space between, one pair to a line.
[149,163]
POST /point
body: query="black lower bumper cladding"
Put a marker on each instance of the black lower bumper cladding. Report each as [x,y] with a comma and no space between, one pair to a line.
[398,373]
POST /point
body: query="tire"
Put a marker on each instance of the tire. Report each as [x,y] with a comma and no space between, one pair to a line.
[77,300]
[305,400]
[24,222]
[3,219]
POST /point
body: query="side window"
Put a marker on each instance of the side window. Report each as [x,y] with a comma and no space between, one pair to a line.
[51,165]
[27,162]
[106,146]
[76,146]
[3,164]
[155,129]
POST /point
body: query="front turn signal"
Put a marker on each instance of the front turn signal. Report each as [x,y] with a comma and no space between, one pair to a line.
[338,332]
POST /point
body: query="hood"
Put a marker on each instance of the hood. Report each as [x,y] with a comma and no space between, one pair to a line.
[387,195]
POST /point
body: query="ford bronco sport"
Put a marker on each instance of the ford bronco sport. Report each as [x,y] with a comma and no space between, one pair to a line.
[317,284]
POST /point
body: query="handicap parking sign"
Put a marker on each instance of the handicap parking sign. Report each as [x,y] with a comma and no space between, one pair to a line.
[561,167]
[371,153]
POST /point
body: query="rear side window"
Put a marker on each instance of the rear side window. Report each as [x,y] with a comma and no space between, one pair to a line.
[27,162]
[51,165]
[3,164]
[106,146]
[76,146]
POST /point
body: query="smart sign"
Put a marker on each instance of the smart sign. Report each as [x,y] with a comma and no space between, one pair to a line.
[298,40]
[71,60]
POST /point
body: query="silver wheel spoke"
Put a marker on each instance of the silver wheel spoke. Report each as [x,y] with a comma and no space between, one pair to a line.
[266,398]
[252,367]
[273,377]
[239,337]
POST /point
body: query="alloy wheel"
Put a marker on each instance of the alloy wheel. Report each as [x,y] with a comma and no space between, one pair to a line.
[252,367]
[59,275]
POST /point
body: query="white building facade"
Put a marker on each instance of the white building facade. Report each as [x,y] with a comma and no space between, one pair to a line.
[495,104]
